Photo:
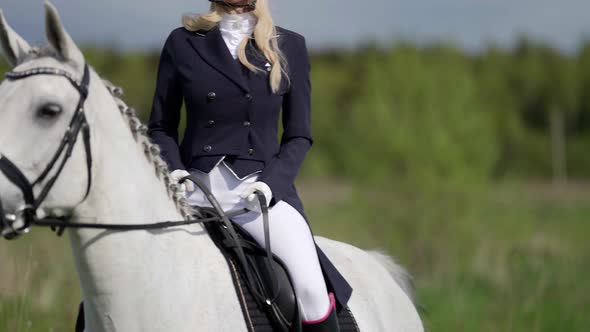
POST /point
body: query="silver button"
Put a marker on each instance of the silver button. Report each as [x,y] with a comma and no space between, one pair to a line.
[207,148]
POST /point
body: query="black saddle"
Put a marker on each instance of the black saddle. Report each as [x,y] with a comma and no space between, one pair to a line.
[270,286]
[271,279]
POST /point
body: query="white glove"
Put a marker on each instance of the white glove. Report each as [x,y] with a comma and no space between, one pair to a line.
[252,202]
[182,187]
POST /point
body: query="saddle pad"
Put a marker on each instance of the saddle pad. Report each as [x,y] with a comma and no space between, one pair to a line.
[256,319]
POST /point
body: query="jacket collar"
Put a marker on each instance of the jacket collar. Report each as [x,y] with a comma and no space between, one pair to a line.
[211,47]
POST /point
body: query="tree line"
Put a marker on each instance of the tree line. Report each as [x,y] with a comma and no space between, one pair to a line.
[427,114]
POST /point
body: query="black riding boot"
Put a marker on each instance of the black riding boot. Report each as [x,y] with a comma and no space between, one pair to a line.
[326,324]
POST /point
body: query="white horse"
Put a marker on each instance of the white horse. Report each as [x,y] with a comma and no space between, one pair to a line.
[166,280]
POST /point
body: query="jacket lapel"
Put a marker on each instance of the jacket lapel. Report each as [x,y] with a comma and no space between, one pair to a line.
[213,50]
[255,56]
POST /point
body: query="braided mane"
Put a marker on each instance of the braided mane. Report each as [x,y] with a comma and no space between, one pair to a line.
[151,150]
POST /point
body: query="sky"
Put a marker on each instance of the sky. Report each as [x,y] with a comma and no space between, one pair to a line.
[470,24]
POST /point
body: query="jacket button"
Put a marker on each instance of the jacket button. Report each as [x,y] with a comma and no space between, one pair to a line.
[249,96]
[210,123]
[207,148]
[250,151]
[211,96]
[247,123]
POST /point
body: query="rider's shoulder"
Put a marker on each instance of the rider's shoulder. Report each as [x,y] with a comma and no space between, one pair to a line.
[175,37]
[182,31]
[289,34]
[178,32]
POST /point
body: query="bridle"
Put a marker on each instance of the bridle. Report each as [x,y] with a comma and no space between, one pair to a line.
[14,225]
[251,5]
[20,222]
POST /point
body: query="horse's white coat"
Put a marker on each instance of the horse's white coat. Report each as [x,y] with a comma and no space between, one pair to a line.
[378,301]
[167,280]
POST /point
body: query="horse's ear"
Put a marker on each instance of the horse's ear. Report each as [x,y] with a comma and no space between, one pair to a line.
[14,46]
[59,38]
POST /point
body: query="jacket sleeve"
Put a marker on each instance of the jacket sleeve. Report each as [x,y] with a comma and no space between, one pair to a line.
[296,140]
[165,113]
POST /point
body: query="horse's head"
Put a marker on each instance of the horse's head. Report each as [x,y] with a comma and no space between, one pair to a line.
[40,100]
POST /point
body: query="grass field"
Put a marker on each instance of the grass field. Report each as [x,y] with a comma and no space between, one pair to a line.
[514,257]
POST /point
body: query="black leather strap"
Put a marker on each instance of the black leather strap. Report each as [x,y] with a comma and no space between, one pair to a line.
[15,176]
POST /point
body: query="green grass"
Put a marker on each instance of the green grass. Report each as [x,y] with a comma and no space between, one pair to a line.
[504,259]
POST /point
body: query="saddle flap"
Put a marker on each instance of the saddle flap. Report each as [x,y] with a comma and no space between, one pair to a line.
[275,280]
[271,284]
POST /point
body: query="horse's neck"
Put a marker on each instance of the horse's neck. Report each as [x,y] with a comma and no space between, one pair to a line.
[125,188]
[137,277]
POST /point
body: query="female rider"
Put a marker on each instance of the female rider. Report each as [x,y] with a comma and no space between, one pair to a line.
[235,69]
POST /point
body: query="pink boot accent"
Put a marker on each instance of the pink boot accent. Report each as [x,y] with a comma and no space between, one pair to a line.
[332,307]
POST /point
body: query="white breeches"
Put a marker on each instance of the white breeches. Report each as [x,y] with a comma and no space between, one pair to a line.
[290,236]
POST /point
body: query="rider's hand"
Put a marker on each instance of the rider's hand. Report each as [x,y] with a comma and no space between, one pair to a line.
[183,187]
[250,197]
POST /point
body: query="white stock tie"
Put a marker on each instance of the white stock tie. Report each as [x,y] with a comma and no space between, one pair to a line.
[234,28]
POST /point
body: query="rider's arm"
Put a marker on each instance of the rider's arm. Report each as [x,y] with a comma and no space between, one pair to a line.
[296,140]
[165,113]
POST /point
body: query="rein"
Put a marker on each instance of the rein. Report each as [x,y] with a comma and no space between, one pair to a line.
[59,224]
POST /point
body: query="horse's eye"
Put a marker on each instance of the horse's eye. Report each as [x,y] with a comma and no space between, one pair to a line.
[50,110]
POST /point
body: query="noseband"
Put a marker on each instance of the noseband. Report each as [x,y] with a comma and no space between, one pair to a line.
[13,225]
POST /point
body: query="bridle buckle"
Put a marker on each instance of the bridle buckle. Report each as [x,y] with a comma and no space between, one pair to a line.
[19,223]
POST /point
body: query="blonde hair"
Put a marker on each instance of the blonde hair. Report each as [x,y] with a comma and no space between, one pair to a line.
[265,34]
